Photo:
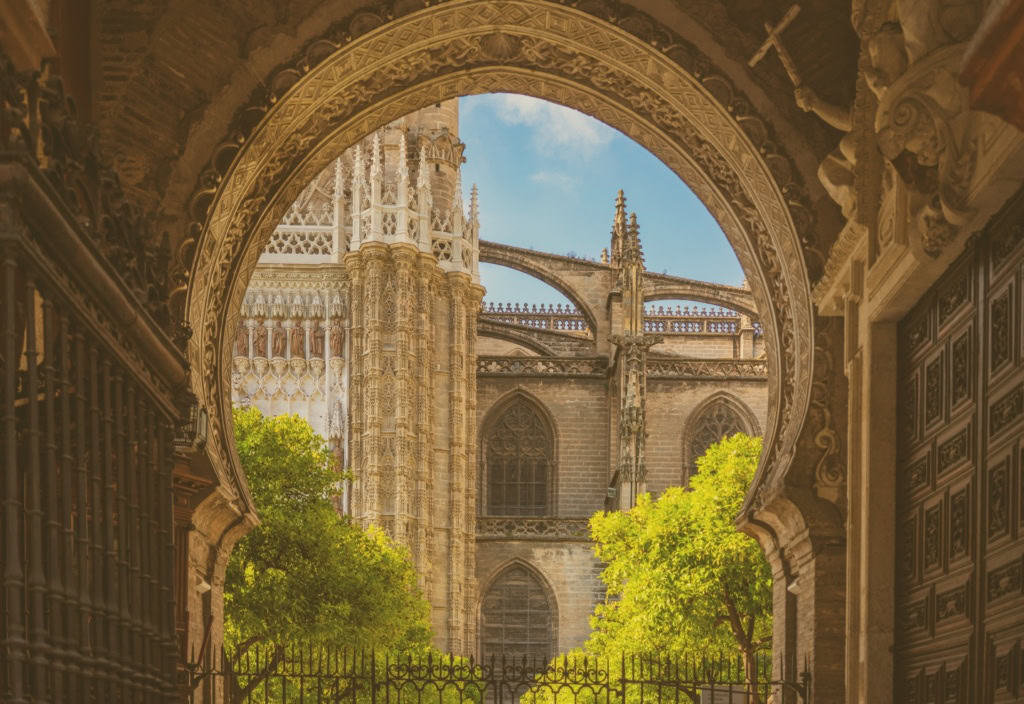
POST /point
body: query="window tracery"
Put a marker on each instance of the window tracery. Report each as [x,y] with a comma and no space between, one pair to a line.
[517,618]
[518,455]
[716,420]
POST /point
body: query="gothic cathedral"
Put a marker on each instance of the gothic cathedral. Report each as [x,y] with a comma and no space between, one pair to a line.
[482,436]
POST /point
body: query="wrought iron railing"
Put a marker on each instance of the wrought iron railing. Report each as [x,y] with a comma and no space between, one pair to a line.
[359,677]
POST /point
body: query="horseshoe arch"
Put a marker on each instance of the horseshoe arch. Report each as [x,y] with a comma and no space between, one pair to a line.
[360,79]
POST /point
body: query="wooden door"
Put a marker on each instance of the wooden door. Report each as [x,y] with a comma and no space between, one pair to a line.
[960,519]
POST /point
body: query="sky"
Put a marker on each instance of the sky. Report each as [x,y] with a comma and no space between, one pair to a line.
[548,177]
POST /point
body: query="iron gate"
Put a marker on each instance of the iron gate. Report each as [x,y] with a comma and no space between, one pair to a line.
[277,675]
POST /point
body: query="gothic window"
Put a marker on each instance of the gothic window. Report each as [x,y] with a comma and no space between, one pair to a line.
[518,452]
[517,618]
[716,420]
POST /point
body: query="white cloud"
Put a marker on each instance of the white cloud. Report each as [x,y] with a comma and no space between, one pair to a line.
[556,129]
[554,178]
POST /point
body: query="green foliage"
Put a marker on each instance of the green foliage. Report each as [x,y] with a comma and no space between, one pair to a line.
[681,580]
[307,577]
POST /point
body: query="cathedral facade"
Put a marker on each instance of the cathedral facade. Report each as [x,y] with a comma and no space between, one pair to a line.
[483,436]
[864,159]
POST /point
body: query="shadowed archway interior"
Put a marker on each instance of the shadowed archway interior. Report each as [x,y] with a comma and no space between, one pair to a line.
[649,94]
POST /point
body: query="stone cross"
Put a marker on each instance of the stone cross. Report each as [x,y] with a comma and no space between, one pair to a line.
[775,40]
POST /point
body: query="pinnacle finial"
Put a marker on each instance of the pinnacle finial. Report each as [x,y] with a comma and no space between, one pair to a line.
[423,178]
[375,164]
[632,249]
[339,177]
[403,159]
[457,195]
[618,229]
[474,204]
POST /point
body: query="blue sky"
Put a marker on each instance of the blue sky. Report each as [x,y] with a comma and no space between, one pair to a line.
[548,177]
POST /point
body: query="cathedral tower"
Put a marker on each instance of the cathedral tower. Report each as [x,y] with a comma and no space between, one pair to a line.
[414,293]
[361,317]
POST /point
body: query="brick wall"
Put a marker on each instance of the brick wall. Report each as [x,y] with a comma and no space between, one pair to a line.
[568,568]
[581,419]
[585,437]
[671,406]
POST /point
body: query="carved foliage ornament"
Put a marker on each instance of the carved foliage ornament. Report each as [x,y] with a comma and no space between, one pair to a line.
[923,126]
[39,121]
[762,207]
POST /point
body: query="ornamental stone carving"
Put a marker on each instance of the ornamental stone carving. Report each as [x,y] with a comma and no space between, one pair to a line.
[926,131]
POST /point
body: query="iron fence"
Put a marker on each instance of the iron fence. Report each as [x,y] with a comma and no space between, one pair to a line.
[278,675]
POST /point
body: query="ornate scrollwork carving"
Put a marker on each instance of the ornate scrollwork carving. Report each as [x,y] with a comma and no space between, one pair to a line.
[829,470]
[536,528]
[39,121]
[923,127]
[763,209]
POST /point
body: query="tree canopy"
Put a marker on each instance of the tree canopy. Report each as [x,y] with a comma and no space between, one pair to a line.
[306,576]
[680,578]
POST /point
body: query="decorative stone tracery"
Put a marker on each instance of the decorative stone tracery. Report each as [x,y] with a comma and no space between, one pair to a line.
[518,456]
[518,619]
[718,417]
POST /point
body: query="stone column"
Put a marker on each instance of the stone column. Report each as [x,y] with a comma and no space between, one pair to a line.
[872,527]
[217,525]
[799,517]
[189,487]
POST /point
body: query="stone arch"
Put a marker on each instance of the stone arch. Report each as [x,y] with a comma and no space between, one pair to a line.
[510,335]
[720,413]
[504,255]
[624,68]
[727,297]
[519,402]
[521,576]
[632,74]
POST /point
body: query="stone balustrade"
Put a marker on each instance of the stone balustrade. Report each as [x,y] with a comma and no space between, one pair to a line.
[662,320]
[664,368]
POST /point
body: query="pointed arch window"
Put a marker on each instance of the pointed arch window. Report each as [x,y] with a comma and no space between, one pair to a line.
[518,457]
[716,420]
[517,618]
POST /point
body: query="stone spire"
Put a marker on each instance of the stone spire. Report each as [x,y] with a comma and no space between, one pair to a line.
[403,160]
[618,229]
[633,344]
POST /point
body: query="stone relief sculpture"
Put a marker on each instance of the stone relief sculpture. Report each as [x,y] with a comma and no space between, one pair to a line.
[279,342]
[337,339]
[259,345]
[242,341]
[836,171]
[298,342]
[316,341]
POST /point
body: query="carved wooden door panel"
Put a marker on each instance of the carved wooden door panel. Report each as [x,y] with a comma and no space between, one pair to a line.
[960,523]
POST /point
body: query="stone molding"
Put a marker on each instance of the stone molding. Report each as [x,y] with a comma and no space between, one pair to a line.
[719,369]
[532,528]
[593,367]
[347,87]
[83,276]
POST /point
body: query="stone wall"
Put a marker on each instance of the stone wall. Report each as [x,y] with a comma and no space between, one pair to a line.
[570,570]
[673,404]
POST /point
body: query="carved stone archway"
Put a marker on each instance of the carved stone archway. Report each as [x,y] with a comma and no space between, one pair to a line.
[535,48]
[631,74]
